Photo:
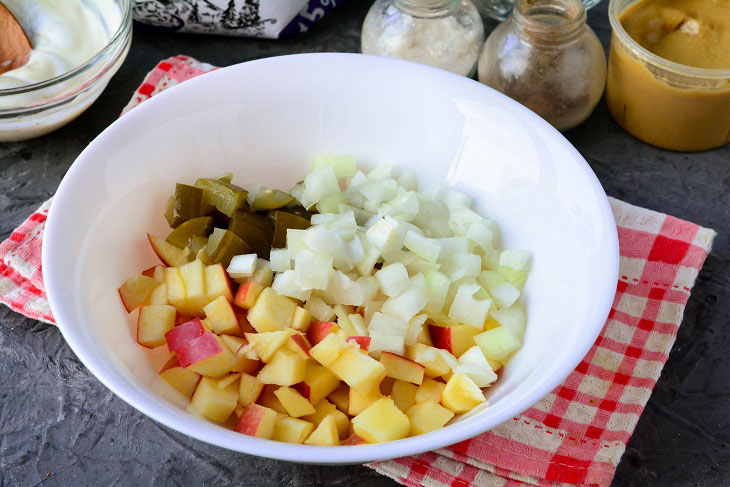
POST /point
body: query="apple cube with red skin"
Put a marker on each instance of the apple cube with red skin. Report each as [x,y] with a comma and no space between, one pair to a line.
[217,283]
[170,255]
[136,291]
[318,331]
[404,394]
[292,430]
[401,368]
[352,440]
[257,420]
[153,323]
[286,368]
[454,339]
[249,389]
[247,294]
[193,275]
[381,421]
[318,383]
[207,355]
[325,408]
[295,404]
[461,394]
[184,333]
[299,344]
[221,318]
[363,342]
[429,390]
[183,380]
[271,311]
[301,319]
[175,287]
[340,397]
[360,371]
[267,343]
[325,434]
[357,402]
[214,402]
[428,416]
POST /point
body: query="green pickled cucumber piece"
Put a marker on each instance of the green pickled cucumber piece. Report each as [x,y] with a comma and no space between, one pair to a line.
[282,222]
[180,237]
[254,229]
[223,245]
[225,197]
[186,205]
[197,243]
[270,199]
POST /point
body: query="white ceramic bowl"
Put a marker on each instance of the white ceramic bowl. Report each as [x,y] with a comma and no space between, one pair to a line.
[263,120]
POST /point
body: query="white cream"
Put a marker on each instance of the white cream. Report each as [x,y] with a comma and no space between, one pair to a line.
[64,34]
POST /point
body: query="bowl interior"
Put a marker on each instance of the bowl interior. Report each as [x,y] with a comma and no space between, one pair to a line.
[262,121]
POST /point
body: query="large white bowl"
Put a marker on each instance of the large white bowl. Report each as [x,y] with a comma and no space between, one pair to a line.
[263,120]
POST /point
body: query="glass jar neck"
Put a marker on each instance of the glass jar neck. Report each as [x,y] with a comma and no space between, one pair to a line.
[427,8]
[549,22]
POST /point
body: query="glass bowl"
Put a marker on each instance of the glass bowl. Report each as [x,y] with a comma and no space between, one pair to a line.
[500,9]
[37,109]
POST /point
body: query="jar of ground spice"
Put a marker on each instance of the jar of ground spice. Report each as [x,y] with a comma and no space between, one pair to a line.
[546,57]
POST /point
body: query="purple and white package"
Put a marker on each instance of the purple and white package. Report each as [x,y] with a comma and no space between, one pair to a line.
[272,19]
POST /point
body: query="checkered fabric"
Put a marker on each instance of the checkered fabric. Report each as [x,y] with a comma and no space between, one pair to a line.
[574,435]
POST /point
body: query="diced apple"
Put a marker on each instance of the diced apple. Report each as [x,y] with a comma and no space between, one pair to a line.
[153,323]
[360,371]
[340,397]
[269,399]
[184,333]
[318,331]
[328,350]
[266,344]
[229,379]
[247,294]
[295,404]
[404,394]
[301,320]
[157,273]
[325,408]
[257,420]
[363,342]
[243,363]
[353,439]
[318,383]
[461,394]
[326,433]
[249,389]
[221,318]
[271,312]
[213,402]
[357,402]
[206,355]
[193,275]
[159,293]
[401,368]
[381,421]
[428,416]
[169,254]
[286,368]
[429,390]
[175,288]
[454,339]
[292,430]
[184,380]
[136,291]
[430,358]
[217,283]
[299,344]
[424,337]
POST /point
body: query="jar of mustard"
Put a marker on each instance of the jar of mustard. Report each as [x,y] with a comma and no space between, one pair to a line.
[669,71]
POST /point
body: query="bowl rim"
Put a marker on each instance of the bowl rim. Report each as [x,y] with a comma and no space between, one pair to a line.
[123,31]
[221,437]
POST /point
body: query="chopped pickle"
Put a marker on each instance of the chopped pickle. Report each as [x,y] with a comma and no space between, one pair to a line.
[282,222]
[225,197]
[223,245]
[256,230]
[297,210]
[180,237]
[197,243]
[219,219]
[270,199]
[186,205]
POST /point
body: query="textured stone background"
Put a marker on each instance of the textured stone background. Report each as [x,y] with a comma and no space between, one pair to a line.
[60,426]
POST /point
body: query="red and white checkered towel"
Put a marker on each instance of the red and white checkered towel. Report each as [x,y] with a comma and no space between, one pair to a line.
[578,432]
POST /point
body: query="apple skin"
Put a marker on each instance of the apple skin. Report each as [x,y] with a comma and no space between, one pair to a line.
[363,342]
[256,420]
[246,294]
[198,349]
[320,329]
[184,333]
[300,345]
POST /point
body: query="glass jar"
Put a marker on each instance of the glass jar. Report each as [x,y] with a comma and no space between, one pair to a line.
[546,57]
[500,9]
[447,34]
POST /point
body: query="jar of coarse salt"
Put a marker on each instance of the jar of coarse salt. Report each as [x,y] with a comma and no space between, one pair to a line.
[447,34]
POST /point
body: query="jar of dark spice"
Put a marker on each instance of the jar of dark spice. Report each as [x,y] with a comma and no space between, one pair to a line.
[546,57]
